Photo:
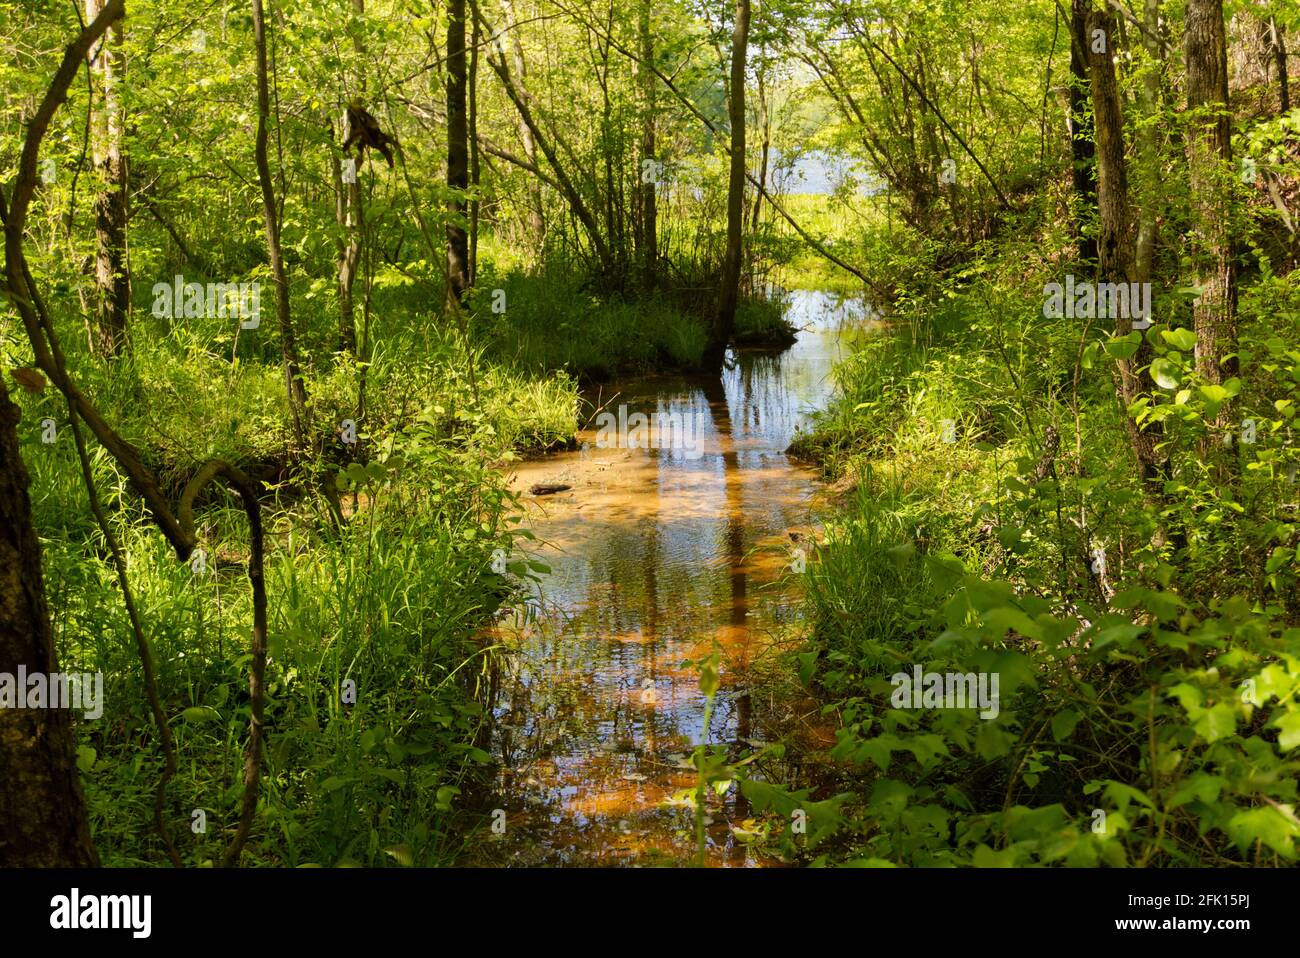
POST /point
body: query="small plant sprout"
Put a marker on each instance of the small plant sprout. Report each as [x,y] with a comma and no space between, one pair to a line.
[1098,821]
[798,560]
[199,821]
[199,561]
[498,301]
[948,173]
[499,561]
[348,692]
[948,430]
[348,432]
[498,821]
[49,431]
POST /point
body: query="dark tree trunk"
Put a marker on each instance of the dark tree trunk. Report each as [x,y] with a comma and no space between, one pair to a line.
[1278,43]
[42,813]
[457,156]
[1209,157]
[729,289]
[1082,151]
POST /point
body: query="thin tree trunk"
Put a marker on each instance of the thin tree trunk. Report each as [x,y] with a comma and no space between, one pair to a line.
[112,280]
[474,169]
[765,123]
[348,214]
[43,820]
[729,289]
[1278,38]
[536,219]
[649,233]
[519,97]
[1115,249]
[1209,156]
[457,156]
[297,392]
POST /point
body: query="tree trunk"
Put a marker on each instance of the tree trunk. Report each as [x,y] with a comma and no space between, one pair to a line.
[1115,249]
[536,220]
[1082,151]
[348,214]
[519,97]
[765,122]
[474,168]
[43,820]
[1209,157]
[649,232]
[457,156]
[297,392]
[729,289]
[112,282]
[1277,36]
[1148,146]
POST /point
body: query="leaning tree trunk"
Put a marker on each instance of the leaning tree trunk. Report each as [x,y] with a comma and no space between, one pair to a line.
[536,221]
[42,813]
[1115,248]
[297,392]
[112,281]
[725,319]
[1209,155]
[457,156]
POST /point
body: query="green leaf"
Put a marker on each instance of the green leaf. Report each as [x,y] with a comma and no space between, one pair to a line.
[1184,339]
[401,853]
[1164,373]
[1289,724]
[1267,825]
[1063,724]
[200,713]
[86,758]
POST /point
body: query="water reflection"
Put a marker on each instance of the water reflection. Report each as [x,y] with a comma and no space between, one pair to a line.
[656,554]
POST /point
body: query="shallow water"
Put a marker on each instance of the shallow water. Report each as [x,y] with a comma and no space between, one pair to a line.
[656,554]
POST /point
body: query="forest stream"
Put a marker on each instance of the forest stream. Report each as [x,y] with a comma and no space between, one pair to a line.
[655,554]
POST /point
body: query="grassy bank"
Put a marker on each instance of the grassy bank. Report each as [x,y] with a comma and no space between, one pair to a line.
[991,523]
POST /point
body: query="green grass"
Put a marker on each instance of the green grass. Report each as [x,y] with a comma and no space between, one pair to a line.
[551,323]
